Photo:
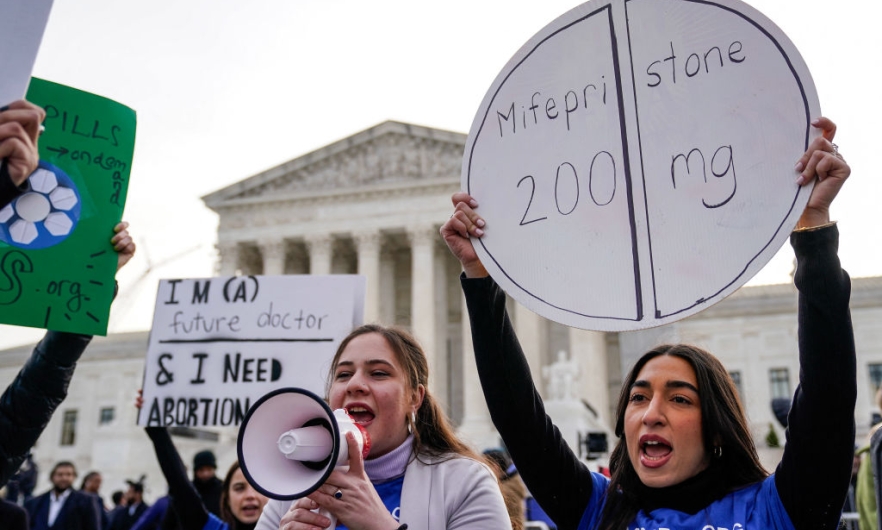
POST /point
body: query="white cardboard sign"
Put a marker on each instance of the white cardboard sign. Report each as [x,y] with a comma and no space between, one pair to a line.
[219,344]
[22,23]
[634,161]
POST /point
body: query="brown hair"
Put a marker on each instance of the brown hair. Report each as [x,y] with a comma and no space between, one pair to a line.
[514,492]
[226,513]
[432,432]
[723,424]
[63,463]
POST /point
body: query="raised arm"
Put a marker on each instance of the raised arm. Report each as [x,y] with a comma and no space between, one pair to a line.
[28,403]
[812,478]
[184,497]
[557,479]
[26,406]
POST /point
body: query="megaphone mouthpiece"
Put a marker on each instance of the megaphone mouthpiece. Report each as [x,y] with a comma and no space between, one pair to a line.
[312,444]
[366,441]
[347,424]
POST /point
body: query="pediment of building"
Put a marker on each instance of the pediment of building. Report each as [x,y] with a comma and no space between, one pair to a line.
[389,153]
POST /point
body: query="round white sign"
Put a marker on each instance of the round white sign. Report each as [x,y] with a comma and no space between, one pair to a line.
[634,161]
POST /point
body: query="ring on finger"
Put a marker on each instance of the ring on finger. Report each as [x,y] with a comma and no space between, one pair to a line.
[338,494]
[835,151]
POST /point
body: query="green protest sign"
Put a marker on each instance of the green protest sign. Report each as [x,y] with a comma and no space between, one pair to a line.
[57,265]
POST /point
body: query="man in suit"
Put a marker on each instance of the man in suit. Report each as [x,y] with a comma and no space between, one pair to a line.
[119,506]
[62,507]
[135,507]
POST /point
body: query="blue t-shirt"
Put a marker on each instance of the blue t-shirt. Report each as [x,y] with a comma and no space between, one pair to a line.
[153,516]
[213,523]
[390,493]
[534,512]
[757,506]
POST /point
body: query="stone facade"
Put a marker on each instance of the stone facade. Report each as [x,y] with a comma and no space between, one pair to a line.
[372,204]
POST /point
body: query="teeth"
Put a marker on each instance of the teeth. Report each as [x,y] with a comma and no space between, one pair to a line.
[357,409]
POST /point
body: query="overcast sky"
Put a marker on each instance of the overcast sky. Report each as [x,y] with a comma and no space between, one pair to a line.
[225,89]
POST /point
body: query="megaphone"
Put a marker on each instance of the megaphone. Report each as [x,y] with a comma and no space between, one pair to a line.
[290,441]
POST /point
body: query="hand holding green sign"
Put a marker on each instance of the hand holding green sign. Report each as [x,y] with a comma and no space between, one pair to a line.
[57,262]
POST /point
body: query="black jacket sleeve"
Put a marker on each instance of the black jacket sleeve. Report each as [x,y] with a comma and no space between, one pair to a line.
[813,476]
[184,498]
[558,480]
[28,403]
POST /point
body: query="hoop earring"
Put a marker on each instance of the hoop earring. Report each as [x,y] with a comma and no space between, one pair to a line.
[412,423]
[718,451]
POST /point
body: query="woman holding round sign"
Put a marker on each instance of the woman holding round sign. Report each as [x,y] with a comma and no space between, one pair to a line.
[417,474]
[685,457]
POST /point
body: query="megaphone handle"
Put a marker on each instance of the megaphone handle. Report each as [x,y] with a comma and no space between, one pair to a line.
[330,516]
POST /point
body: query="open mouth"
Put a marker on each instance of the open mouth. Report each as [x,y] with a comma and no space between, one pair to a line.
[360,414]
[251,510]
[655,450]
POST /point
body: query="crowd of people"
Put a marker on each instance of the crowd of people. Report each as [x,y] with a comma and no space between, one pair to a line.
[685,457]
[66,507]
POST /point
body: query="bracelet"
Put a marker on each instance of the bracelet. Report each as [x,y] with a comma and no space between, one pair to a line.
[813,228]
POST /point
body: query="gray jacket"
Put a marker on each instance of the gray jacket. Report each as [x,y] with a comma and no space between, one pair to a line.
[456,494]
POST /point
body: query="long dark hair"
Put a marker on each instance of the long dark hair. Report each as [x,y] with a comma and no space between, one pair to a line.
[226,513]
[432,433]
[723,425]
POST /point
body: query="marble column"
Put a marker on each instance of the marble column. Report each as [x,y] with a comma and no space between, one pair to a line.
[422,294]
[476,427]
[320,248]
[388,302]
[273,253]
[532,331]
[228,252]
[442,367]
[588,349]
[368,245]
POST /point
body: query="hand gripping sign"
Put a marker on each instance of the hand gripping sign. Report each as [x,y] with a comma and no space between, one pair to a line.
[634,160]
[56,261]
